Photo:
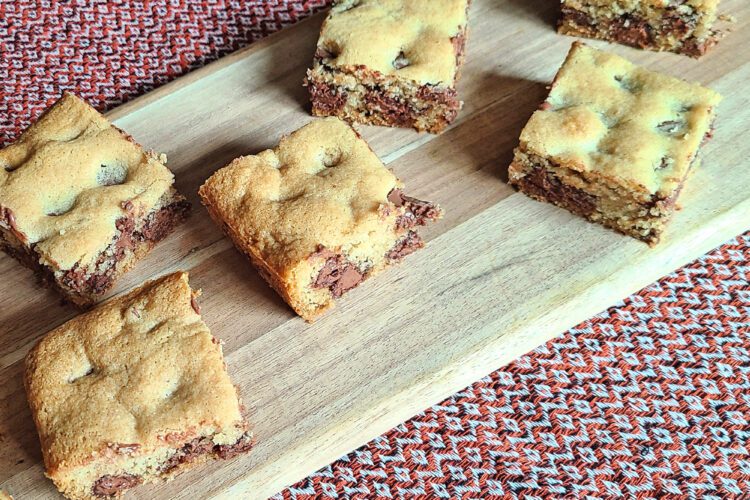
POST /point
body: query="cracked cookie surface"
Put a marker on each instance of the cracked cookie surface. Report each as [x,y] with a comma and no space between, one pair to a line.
[390,62]
[120,394]
[80,200]
[618,152]
[317,215]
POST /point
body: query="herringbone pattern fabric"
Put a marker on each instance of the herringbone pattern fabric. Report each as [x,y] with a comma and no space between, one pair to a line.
[648,399]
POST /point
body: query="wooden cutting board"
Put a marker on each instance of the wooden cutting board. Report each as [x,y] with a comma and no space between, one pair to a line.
[501,274]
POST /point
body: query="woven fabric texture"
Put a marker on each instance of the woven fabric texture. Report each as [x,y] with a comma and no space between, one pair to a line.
[649,399]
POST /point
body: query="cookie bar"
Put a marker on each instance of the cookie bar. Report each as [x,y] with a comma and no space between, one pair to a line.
[682,26]
[614,142]
[81,201]
[390,62]
[317,215]
[133,391]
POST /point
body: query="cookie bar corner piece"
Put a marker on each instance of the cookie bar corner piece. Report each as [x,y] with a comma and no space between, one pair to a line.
[81,201]
[133,391]
[393,63]
[614,142]
[684,27]
[317,215]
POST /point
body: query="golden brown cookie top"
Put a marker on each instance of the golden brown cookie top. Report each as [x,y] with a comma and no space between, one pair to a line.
[322,185]
[137,373]
[412,39]
[67,179]
[607,116]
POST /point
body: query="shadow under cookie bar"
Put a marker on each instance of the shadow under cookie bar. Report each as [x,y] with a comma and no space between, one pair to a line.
[680,28]
[84,285]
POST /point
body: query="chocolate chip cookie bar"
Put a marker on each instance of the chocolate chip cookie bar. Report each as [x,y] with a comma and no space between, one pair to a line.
[81,201]
[317,215]
[614,142]
[390,62]
[133,391]
[681,26]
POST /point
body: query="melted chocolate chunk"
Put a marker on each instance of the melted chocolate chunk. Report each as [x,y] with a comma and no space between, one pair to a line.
[633,30]
[188,452]
[337,274]
[99,277]
[416,212]
[396,111]
[410,243]
[161,223]
[227,451]
[204,446]
[107,486]
[541,183]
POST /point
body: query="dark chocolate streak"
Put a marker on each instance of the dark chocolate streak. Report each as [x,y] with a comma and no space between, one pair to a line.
[329,99]
[155,229]
[99,278]
[108,485]
[543,184]
[633,30]
[411,242]
[337,274]
[416,212]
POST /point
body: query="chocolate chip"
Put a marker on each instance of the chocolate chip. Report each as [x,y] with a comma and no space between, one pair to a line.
[671,127]
[108,485]
[410,243]
[666,162]
[329,50]
[627,84]
[401,61]
[338,274]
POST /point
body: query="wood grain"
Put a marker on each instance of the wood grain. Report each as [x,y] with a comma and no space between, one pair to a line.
[501,274]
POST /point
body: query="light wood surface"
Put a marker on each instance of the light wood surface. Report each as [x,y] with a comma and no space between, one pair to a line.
[501,274]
